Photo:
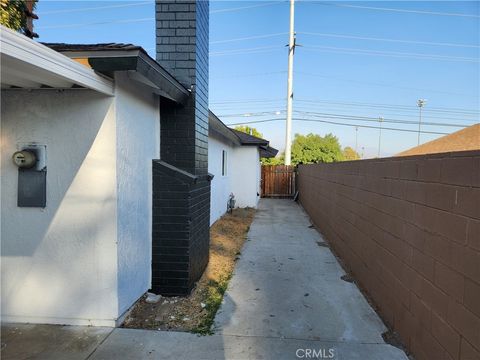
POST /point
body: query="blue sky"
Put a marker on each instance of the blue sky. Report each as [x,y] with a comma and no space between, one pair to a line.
[338,77]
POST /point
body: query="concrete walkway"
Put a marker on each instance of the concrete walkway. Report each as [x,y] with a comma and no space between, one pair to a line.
[285,301]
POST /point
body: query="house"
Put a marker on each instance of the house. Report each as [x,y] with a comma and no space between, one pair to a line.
[234,160]
[109,191]
[108,195]
[462,140]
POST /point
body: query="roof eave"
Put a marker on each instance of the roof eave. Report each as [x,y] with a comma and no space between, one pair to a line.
[148,70]
[39,61]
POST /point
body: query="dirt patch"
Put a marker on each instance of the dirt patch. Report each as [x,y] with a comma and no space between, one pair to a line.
[196,312]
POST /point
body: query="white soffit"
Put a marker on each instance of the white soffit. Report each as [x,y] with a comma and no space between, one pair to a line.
[28,64]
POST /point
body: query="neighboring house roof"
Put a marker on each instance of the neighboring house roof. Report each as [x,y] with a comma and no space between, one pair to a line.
[27,64]
[219,130]
[237,138]
[268,152]
[462,140]
[247,139]
[110,57]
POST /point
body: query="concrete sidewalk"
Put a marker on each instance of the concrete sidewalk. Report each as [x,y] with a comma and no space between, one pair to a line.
[285,301]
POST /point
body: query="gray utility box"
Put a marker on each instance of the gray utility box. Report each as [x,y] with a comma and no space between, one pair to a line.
[32,181]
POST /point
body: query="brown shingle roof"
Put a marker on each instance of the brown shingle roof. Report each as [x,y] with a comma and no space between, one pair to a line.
[462,140]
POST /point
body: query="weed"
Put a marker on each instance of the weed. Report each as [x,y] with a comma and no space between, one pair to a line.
[213,300]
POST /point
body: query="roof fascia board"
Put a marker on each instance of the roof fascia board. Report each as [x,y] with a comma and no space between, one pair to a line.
[20,48]
[222,130]
[108,61]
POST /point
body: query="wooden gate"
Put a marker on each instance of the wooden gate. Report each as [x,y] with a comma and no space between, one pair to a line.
[278,180]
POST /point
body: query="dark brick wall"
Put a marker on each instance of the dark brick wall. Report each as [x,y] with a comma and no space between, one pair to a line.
[182,208]
[409,230]
[180,233]
[182,49]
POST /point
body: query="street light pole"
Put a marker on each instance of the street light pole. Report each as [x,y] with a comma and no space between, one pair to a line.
[420,103]
[380,119]
[356,139]
[291,52]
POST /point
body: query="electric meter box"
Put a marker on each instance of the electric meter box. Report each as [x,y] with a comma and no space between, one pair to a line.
[31,160]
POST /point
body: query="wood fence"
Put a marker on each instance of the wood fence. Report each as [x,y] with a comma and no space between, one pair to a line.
[278,180]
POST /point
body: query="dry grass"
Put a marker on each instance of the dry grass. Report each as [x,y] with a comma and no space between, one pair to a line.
[196,312]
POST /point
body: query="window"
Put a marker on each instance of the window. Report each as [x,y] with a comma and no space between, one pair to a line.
[224,163]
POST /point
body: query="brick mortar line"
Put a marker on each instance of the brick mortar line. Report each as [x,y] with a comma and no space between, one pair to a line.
[394,197]
[394,255]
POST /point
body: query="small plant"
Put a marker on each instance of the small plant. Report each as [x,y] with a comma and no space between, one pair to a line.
[214,296]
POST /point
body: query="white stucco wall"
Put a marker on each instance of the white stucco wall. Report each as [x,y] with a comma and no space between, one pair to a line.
[246,176]
[243,176]
[138,134]
[85,258]
[59,264]
[221,185]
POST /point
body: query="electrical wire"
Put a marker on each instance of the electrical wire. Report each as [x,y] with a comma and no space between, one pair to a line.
[397,54]
[123,21]
[247,38]
[341,124]
[246,7]
[95,8]
[255,50]
[64,11]
[248,75]
[423,12]
[351,103]
[342,36]
[345,117]
[379,84]
[254,109]
[372,119]
[392,106]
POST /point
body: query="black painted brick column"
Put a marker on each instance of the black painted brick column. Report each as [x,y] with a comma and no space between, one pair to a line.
[181,185]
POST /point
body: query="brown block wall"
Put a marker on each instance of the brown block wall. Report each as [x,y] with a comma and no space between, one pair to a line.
[408,228]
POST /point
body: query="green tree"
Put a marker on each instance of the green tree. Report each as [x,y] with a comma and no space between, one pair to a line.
[14,14]
[350,154]
[249,130]
[311,148]
[278,160]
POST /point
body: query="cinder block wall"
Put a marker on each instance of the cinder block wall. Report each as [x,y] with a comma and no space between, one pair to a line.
[408,229]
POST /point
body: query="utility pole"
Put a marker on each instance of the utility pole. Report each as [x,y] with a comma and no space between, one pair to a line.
[291,52]
[356,139]
[420,103]
[380,119]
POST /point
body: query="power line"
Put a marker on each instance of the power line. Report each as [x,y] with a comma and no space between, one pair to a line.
[247,38]
[254,50]
[423,12]
[370,119]
[351,103]
[391,106]
[344,117]
[339,123]
[245,7]
[398,54]
[63,11]
[249,75]
[388,40]
[124,21]
[396,113]
[341,79]
[94,8]
[246,101]
[256,109]
[380,84]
